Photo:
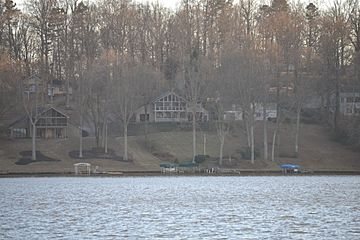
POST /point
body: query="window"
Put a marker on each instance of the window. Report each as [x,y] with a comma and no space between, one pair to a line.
[19,132]
[349,99]
[142,117]
[159,115]
[158,106]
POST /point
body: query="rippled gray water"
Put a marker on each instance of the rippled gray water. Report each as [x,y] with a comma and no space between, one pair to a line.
[180,208]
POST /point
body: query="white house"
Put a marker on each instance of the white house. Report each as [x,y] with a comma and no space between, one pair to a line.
[169,107]
[237,114]
[350,103]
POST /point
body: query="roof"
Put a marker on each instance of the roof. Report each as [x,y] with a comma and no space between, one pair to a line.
[19,122]
[289,166]
[82,164]
[42,110]
[14,114]
[166,94]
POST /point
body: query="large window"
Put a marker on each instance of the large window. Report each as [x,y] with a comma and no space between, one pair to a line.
[159,115]
[19,132]
[349,110]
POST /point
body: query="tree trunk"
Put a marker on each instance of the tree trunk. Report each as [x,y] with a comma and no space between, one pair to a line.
[266,151]
[97,135]
[337,102]
[146,129]
[204,143]
[297,130]
[222,141]
[103,133]
[274,140]
[248,138]
[252,142]
[81,135]
[125,142]
[106,138]
[194,135]
[81,144]
[67,93]
[33,157]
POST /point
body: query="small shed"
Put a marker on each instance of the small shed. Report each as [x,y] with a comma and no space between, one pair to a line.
[82,168]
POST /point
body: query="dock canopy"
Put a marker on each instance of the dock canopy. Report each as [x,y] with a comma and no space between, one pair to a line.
[168,165]
[189,164]
[289,166]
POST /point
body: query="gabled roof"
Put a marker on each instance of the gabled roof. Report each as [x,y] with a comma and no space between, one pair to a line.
[19,122]
[32,76]
[167,93]
[44,110]
[40,110]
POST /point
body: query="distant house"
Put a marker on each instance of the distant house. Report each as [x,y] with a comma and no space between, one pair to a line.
[51,123]
[350,103]
[169,107]
[32,83]
[237,114]
[57,87]
[271,111]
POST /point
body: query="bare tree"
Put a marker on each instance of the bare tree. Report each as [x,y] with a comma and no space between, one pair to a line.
[243,72]
[151,86]
[8,85]
[127,84]
[95,98]
[41,11]
[30,104]
[333,46]
[196,73]
[222,128]
[354,17]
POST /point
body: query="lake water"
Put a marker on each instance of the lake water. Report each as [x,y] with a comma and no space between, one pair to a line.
[325,207]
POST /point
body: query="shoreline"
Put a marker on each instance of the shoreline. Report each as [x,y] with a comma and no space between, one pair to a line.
[238,172]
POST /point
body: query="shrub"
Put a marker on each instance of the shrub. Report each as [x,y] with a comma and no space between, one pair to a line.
[348,132]
[201,158]
[246,153]
[311,116]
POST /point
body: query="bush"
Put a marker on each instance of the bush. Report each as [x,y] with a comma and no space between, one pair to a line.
[246,153]
[311,116]
[201,158]
[348,132]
